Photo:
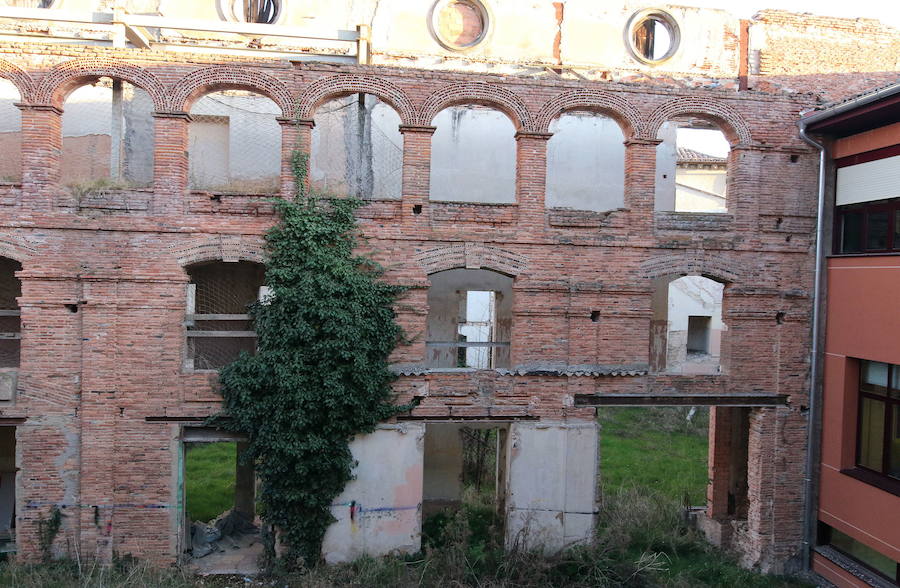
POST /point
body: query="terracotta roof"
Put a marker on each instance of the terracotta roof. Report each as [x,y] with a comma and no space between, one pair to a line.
[691,156]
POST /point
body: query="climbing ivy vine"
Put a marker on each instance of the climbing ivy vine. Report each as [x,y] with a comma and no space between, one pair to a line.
[320,374]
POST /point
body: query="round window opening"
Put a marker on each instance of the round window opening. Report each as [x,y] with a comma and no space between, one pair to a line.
[652,36]
[459,24]
[252,11]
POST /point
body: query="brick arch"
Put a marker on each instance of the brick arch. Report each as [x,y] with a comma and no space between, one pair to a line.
[324,89]
[19,78]
[616,107]
[221,248]
[482,93]
[736,129]
[471,256]
[65,77]
[188,89]
[708,265]
[16,248]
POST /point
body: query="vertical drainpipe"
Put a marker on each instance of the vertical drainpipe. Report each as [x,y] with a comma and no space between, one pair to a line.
[814,433]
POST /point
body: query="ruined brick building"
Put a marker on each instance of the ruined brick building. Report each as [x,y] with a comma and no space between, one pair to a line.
[548,180]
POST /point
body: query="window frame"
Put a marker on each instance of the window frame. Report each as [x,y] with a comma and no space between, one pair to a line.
[890,400]
[891,207]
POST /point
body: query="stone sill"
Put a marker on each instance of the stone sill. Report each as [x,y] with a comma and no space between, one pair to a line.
[472,212]
[694,221]
[205,202]
[880,481]
[853,567]
[112,199]
[563,217]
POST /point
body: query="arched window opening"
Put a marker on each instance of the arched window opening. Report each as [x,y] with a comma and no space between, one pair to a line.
[235,143]
[473,156]
[357,148]
[218,324]
[10,319]
[10,134]
[687,328]
[691,166]
[585,163]
[469,319]
[107,137]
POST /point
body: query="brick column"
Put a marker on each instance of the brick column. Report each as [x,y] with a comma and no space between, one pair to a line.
[416,167]
[745,166]
[41,154]
[291,135]
[170,162]
[531,176]
[640,174]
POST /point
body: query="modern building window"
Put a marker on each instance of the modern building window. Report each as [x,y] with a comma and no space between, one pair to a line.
[872,227]
[878,447]
[870,558]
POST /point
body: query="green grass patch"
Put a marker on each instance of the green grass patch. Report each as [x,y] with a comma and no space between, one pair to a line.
[656,448]
[209,475]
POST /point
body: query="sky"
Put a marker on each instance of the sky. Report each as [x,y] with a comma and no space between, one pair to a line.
[887,11]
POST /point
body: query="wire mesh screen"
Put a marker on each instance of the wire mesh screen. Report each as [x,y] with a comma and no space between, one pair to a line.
[357,148]
[10,133]
[235,143]
[108,137]
[218,326]
[10,321]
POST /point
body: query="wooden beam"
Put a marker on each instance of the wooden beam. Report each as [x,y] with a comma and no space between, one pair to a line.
[681,400]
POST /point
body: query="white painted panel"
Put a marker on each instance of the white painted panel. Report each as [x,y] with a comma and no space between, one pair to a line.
[379,510]
[865,182]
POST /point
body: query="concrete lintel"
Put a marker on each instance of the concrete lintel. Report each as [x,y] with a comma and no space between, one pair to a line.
[681,400]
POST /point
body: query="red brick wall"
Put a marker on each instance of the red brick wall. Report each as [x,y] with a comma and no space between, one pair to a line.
[102,392]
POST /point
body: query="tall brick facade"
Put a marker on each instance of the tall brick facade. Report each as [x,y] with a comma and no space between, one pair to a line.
[103,392]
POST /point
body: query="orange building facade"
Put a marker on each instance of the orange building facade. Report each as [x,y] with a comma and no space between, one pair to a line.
[858,533]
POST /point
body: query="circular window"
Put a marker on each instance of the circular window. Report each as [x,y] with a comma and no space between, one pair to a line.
[255,11]
[652,36]
[459,24]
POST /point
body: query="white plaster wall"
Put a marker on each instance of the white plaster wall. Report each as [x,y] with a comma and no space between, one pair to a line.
[552,484]
[585,163]
[693,296]
[10,116]
[700,190]
[387,493]
[666,152]
[473,156]
[254,142]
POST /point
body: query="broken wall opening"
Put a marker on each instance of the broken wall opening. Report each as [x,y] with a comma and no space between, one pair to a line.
[235,143]
[10,133]
[465,472]
[728,500]
[469,319]
[687,329]
[8,469]
[661,452]
[691,166]
[221,528]
[585,163]
[357,148]
[219,327]
[473,156]
[107,137]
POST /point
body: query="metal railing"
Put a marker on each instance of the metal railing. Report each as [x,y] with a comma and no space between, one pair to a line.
[124,28]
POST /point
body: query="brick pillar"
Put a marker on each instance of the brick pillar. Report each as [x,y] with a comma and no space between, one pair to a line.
[291,136]
[303,142]
[745,166]
[531,176]
[640,174]
[719,452]
[99,415]
[41,152]
[416,169]
[170,162]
